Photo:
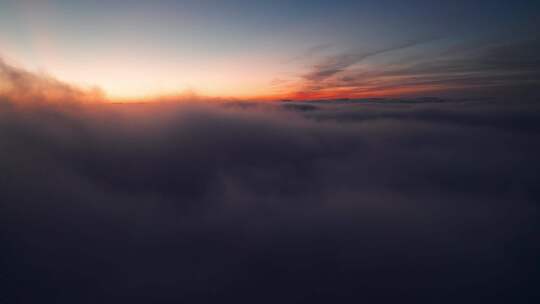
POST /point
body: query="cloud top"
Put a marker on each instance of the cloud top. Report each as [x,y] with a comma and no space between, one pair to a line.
[383,200]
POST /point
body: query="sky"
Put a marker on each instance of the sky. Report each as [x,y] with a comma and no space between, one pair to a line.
[282,49]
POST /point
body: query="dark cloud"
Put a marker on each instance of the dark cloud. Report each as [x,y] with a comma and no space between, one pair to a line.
[380,201]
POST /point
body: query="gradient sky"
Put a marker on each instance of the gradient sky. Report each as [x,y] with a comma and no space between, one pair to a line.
[287,49]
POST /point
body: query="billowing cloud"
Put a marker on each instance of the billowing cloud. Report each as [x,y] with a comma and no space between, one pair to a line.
[350,201]
[22,86]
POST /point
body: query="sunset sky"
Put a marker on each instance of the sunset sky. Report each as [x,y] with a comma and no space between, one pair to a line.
[282,49]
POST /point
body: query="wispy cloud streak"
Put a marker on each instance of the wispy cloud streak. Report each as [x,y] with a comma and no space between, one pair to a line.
[510,65]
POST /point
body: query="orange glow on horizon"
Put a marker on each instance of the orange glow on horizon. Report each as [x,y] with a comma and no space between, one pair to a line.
[242,86]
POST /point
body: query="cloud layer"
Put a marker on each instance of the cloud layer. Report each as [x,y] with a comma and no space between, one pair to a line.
[381,201]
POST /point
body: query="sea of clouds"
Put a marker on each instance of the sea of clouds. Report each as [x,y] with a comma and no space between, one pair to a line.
[377,201]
